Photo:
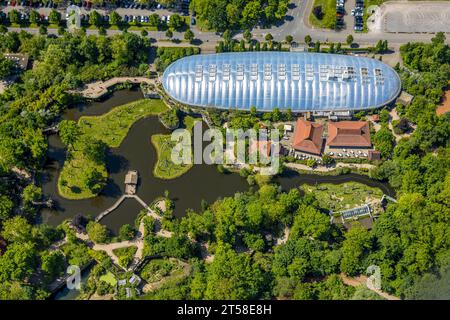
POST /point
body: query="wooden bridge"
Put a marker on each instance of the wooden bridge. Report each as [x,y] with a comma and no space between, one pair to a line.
[119,202]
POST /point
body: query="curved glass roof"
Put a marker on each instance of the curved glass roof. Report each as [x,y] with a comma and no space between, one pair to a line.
[301,81]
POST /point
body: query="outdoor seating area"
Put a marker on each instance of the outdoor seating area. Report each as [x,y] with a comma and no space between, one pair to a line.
[344,139]
[347,153]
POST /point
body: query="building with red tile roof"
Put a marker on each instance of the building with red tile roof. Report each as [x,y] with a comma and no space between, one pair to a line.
[352,134]
[308,137]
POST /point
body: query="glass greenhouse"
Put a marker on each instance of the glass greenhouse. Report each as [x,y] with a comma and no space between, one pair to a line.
[298,80]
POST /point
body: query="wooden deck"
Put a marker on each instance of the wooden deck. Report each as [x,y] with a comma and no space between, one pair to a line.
[119,202]
[98,89]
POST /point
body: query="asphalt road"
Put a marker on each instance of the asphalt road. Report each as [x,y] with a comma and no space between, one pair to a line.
[296,24]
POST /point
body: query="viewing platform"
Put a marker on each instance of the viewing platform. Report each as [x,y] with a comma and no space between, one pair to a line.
[131,181]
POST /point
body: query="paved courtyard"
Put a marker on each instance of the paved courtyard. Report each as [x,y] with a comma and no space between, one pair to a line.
[411,16]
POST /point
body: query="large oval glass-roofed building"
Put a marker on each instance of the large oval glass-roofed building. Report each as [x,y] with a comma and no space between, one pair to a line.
[300,81]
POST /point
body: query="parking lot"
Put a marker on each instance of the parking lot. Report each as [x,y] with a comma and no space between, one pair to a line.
[130,11]
[411,17]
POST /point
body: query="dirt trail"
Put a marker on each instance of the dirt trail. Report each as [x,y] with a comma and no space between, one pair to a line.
[138,240]
[362,280]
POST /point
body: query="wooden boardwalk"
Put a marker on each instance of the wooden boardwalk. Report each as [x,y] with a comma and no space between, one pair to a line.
[119,202]
[97,89]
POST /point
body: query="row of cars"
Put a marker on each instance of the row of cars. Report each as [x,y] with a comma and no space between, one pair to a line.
[340,13]
[88,4]
[358,13]
[30,3]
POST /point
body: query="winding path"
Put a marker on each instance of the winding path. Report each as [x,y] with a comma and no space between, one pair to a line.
[138,240]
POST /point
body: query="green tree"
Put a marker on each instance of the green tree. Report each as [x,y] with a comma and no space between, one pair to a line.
[189,35]
[176,22]
[7,67]
[97,232]
[289,39]
[42,30]
[349,40]
[327,160]
[69,132]
[14,16]
[268,37]
[54,17]
[308,39]
[127,232]
[18,262]
[34,16]
[53,264]
[17,230]
[310,222]
[251,14]
[169,34]
[115,18]
[354,249]
[298,268]
[16,291]
[154,20]
[95,19]
[232,276]
[227,36]
[384,141]
[317,46]
[247,35]
[93,149]
[31,193]
[439,38]
[94,180]
[6,206]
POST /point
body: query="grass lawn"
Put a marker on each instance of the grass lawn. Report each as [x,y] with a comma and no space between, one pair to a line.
[343,196]
[109,278]
[125,255]
[111,128]
[329,18]
[164,167]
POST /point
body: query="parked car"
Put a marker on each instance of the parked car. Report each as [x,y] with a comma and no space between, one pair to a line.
[192,21]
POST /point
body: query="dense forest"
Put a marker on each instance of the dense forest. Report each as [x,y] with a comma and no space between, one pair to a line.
[34,102]
[231,14]
[410,241]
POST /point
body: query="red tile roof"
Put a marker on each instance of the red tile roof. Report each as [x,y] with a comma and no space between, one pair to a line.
[308,137]
[349,134]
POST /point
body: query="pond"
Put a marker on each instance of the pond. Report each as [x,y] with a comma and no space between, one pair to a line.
[202,182]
